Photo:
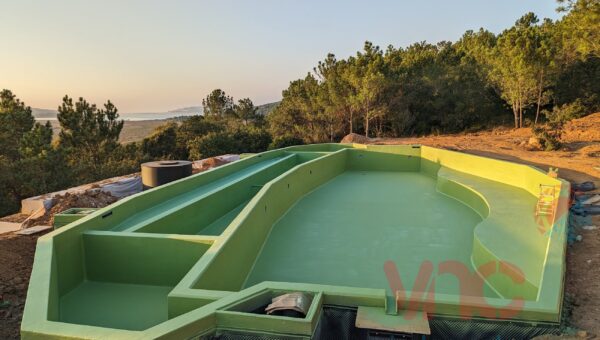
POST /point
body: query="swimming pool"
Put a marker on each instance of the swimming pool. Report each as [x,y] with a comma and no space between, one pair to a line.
[386,230]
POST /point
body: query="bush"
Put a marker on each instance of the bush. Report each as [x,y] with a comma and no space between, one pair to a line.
[243,140]
[252,139]
[193,127]
[285,141]
[162,143]
[124,160]
[549,135]
[213,144]
[566,112]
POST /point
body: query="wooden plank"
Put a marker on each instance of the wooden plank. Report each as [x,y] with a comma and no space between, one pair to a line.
[412,322]
[9,227]
[34,230]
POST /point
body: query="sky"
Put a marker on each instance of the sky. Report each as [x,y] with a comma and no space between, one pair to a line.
[154,56]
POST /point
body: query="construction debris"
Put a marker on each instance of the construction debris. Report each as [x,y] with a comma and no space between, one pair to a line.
[592,200]
[124,186]
[585,186]
[9,227]
[291,304]
[213,162]
[120,187]
[17,218]
[592,210]
[585,205]
[88,199]
[41,209]
[34,230]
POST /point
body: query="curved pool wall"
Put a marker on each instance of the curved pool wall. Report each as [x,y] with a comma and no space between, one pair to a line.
[184,259]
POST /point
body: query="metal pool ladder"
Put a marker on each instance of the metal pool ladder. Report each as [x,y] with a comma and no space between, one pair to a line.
[545,204]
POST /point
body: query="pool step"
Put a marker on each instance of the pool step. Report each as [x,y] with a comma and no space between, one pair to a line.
[406,321]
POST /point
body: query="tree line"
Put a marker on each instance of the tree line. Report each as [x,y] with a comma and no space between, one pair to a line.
[530,71]
[535,73]
[87,147]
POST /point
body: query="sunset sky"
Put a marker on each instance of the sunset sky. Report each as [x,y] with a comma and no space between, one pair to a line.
[153,56]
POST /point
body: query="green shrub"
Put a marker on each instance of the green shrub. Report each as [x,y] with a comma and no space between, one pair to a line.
[549,135]
[566,112]
[212,144]
[285,141]
[251,139]
[162,143]
[242,140]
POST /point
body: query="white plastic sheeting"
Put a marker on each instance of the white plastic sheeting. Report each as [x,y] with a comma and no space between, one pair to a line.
[123,187]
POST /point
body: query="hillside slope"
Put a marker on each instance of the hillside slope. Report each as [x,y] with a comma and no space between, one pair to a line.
[578,160]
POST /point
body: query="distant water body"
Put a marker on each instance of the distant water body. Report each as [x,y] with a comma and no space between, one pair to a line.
[141,116]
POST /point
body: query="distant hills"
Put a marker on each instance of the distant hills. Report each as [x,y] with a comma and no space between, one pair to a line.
[264,109]
[190,110]
[43,113]
[183,111]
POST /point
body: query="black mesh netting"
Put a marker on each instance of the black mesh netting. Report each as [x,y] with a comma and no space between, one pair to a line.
[338,323]
[482,329]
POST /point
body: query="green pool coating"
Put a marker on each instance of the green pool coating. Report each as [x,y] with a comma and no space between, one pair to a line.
[115,305]
[395,228]
[342,244]
[70,215]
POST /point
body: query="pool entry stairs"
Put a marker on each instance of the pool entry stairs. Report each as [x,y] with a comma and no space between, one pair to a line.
[547,198]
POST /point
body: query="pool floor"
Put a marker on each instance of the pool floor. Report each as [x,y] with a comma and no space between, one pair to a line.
[343,232]
[115,305]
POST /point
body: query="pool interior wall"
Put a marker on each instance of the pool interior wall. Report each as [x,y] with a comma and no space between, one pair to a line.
[334,220]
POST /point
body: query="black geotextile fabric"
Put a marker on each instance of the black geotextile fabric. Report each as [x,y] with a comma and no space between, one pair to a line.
[483,329]
[338,323]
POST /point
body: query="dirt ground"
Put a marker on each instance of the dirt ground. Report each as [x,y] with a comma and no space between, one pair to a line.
[578,162]
[16,259]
